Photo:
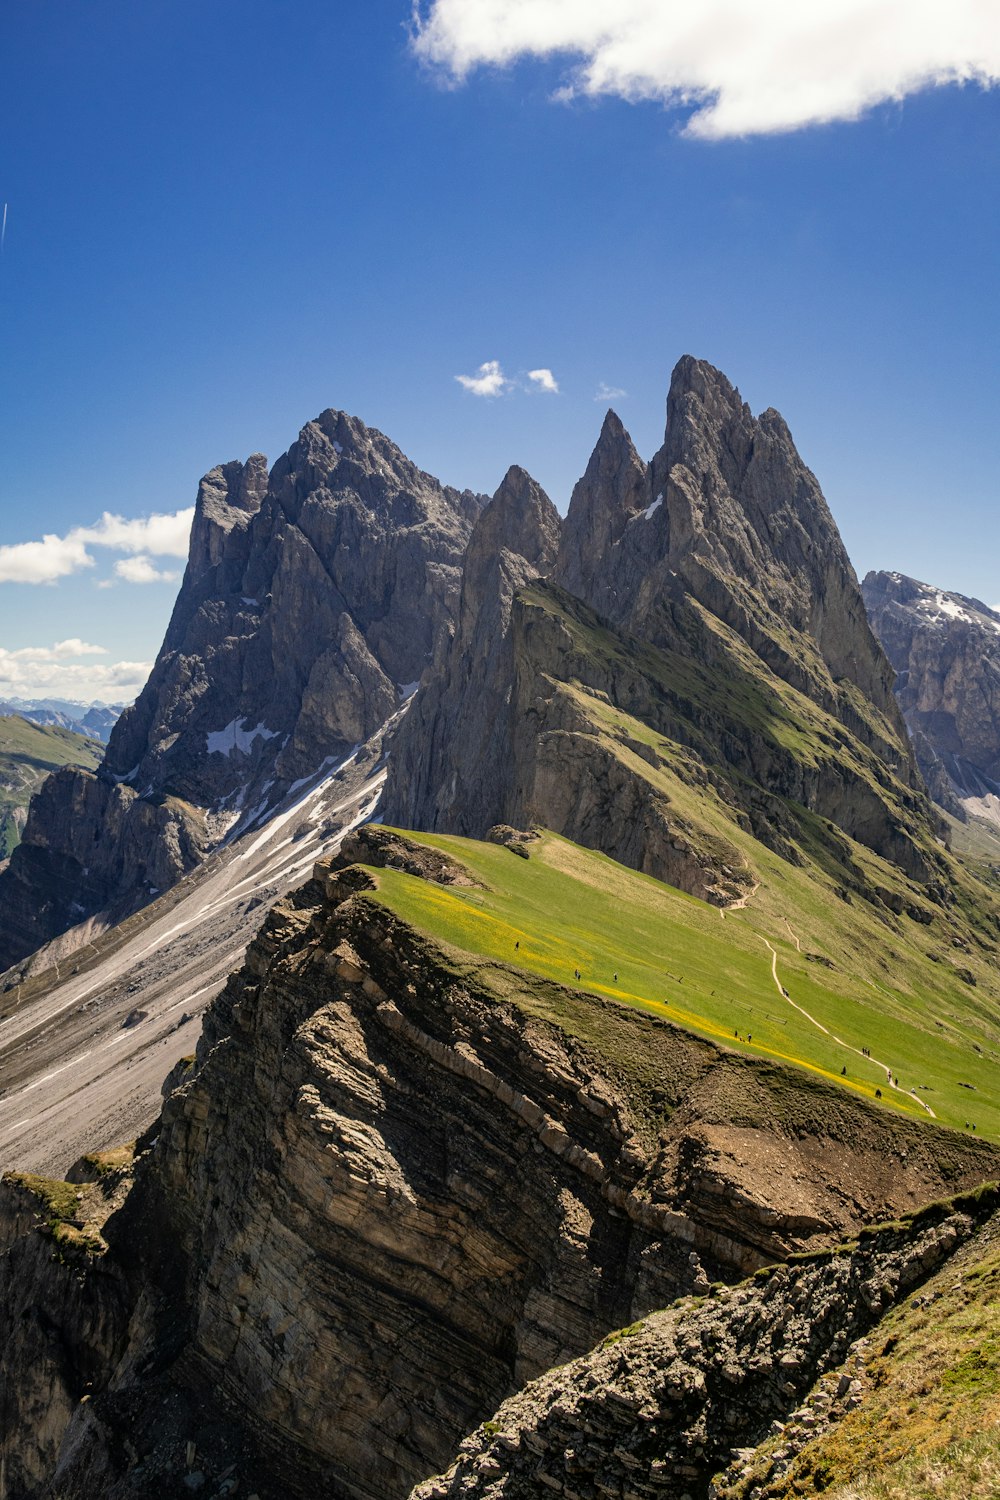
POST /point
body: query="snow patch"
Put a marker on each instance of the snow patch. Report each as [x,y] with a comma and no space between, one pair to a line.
[128,774]
[245,600]
[651,510]
[407,689]
[951,609]
[236,737]
[339,447]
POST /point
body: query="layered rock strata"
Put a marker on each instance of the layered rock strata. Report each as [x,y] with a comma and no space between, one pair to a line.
[691,1393]
[314,598]
[389,1193]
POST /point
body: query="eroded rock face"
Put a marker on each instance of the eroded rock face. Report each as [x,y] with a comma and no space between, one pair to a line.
[721,555]
[386,1196]
[455,756]
[945,650]
[312,597]
[660,1409]
[62,1322]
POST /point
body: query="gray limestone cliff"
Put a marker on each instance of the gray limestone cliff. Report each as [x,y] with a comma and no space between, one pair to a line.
[314,598]
[456,751]
[945,650]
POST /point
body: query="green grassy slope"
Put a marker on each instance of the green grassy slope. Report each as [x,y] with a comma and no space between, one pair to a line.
[28,752]
[895,990]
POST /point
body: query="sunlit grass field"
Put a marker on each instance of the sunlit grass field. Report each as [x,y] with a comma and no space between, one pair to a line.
[635,941]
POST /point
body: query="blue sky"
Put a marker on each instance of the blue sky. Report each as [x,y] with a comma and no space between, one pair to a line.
[223,218]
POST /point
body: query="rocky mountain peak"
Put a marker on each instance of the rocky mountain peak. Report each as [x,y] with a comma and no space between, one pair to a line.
[723,557]
[520,520]
[747,533]
[614,488]
[455,749]
[229,496]
[313,599]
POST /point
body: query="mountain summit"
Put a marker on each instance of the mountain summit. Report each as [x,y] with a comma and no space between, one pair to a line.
[314,598]
[704,599]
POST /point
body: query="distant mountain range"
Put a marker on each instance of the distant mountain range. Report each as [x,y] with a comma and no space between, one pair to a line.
[96,720]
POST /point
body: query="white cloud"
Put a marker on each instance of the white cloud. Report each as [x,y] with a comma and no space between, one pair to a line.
[59,652]
[607,392]
[162,535]
[489,380]
[544,380]
[52,671]
[56,557]
[45,561]
[141,570]
[742,68]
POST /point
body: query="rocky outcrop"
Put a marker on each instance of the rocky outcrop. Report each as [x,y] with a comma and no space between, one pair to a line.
[945,650]
[612,492]
[62,1318]
[664,1405]
[388,1194]
[314,598]
[455,756]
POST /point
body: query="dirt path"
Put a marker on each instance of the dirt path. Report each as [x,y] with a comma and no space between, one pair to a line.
[740,902]
[792,935]
[907,1093]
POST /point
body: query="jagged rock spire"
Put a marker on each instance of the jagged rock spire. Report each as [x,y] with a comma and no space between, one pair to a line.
[614,488]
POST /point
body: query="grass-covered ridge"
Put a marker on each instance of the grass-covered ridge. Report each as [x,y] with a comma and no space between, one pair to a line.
[897,994]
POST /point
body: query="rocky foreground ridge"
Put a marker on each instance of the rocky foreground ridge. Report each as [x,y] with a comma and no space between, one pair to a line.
[386,1195]
[313,599]
[741,1394]
[945,651]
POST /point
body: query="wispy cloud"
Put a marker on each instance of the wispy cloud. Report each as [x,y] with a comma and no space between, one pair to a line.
[56,557]
[58,652]
[489,380]
[741,69]
[544,380]
[45,671]
[142,569]
[606,392]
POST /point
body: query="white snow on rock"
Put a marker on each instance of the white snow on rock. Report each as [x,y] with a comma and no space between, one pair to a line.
[407,689]
[938,606]
[651,510]
[236,737]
